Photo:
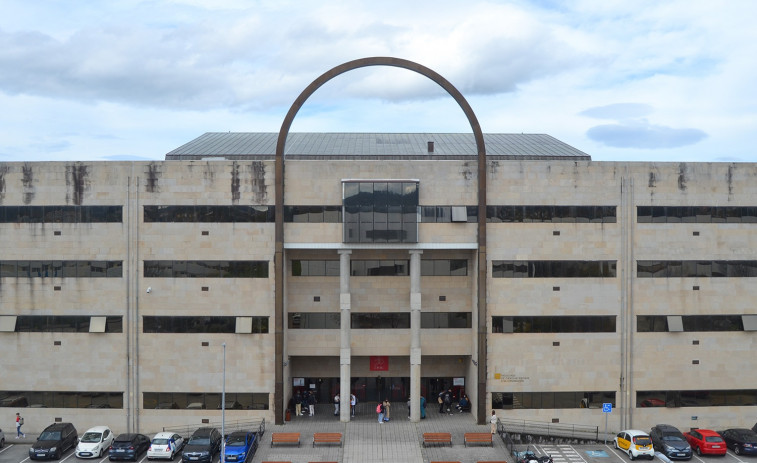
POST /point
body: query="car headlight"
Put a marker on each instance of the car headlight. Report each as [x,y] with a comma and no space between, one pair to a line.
[53,449]
[204,453]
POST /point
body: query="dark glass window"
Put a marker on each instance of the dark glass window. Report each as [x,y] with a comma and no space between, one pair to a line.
[446,320]
[67,269]
[551,400]
[551,214]
[384,320]
[380,212]
[209,214]
[63,324]
[554,269]
[61,214]
[696,214]
[702,269]
[361,268]
[317,320]
[206,269]
[691,323]
[444,267]
[697,398]
[312,268]
[184,324]
[204,400]
[57,399]
[554,324]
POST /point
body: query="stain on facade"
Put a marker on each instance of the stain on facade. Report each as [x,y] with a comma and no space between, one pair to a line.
[257,182]
[3,173]
[682,177]
[77,182]
[153,175]
[27,180]
[652,179]
[235,194]
[729,179]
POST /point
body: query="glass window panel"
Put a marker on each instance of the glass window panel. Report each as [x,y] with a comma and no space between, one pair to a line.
[98,268]
[427,267]
[332,214]
[458,267]
[643,214]
[658,214]
[441,267]
[719,215]
[351,192]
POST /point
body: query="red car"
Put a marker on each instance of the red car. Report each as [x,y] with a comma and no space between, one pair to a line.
[705,442]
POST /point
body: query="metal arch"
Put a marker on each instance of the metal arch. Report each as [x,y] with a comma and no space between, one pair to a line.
[279,211]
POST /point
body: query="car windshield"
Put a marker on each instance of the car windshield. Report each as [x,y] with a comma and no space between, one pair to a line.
[50,435]
[91,437]
[641,440]
[203,440]
[159,441]
[672,438]
[236,441]
[713,439]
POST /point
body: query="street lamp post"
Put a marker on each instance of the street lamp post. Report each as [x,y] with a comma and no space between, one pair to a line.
[223,409]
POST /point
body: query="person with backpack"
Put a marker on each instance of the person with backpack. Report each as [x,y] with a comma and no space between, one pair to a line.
[448,401]
[19,423]
[336,404]
[380,410]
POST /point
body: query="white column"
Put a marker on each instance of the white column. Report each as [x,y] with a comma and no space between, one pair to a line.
[415,335]
[345,354]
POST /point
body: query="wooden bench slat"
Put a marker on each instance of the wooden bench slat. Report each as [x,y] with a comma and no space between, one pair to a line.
[437,438]
[478,438]
[285,438]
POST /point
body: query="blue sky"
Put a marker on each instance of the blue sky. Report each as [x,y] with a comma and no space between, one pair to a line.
[649,80]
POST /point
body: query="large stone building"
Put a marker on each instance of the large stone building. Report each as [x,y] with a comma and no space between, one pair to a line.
[538,282]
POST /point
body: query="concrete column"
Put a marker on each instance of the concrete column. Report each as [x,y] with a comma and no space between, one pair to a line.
[415,335]
[345,353]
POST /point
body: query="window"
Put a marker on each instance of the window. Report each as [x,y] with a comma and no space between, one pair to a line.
[206,269]
[57,399]
[313,321]
[690,323]
[444,267]
[65,269]
[551,214]
[391,268]
[553,269]
[382,320]
[205,400]
[209,214]
[555,324]
[551,400]
[696,268]
[64,324]
[697,398]
[446,320]
[380,212]
[61,214]
[186,324]
[313,268]
[696,214]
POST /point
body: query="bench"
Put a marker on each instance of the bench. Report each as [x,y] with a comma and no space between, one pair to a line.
[327,438]
[488,461]
[478,438]
[285,438]
[437,438]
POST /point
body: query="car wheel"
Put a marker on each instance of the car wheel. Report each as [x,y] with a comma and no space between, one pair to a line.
[615,444]
[2,443]
[736,450]
[57,455]
[630,455]
[699,451]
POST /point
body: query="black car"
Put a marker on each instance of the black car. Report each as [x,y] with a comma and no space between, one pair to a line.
[128,447]
[204,444]
[740,440]
[670,441]
[54,441]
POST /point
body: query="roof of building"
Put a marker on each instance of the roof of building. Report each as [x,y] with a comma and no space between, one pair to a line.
[246,145]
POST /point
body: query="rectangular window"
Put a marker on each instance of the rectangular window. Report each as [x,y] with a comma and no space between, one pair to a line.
[700,269]
[206,269]
[61,214]
[380,212]
[66,269]
[554,324]
[551,214]
[444,267]
[552,400]
[380,320]
[64,324]
[185,324]
[313,268]
[446,320]
[697,398]
[554,269]
[204,400]
[362,268]
[690,323]
[696,214]
[314,320]
[209,214]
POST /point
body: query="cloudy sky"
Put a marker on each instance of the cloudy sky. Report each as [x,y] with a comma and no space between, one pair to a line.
[643,80]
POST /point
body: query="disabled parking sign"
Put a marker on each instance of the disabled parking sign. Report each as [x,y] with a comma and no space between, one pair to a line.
[606,407]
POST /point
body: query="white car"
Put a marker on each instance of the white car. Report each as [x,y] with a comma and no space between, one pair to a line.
[165,445]
[95,442]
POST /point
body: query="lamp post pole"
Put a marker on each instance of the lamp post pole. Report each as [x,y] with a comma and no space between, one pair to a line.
[223,409]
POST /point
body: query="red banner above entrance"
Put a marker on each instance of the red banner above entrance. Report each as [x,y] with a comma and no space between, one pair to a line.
[379,362]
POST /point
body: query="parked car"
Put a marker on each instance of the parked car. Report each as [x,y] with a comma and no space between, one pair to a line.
[705,442]
[740,440]
[54,441]
[635,443]
[128,446]
[240,446]
[670,441]
[2,439]
[204,444]
[165,445]
[95,442]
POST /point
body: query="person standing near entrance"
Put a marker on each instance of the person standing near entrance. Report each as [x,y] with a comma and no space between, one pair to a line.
[336,404]
[387,408]
[493,421]
[380,409]
[298,404]
[353,401]
[441,402]
[423,408]
[311,403]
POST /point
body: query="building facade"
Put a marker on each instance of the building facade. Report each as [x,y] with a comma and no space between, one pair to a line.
[124,285]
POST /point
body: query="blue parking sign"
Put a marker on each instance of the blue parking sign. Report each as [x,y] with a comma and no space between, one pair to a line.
[606,407]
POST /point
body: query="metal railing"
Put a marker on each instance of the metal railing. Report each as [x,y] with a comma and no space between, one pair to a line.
[229,426]
[523,431]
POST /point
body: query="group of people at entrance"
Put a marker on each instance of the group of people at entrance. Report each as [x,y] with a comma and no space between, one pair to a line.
[445,399]
[337,400]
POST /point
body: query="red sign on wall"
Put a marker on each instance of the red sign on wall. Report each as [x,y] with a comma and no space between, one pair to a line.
[379,362]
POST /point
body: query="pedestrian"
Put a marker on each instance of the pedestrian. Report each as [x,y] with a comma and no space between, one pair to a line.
[387,409]
[448,401]
[19,423]
[440,399]
[463,404]
[380,410]
[423,408]
[353,401]
[298,404]
[311,403]
[493,421]
[336,404]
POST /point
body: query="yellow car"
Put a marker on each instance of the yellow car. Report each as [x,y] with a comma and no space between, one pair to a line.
[635,443]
